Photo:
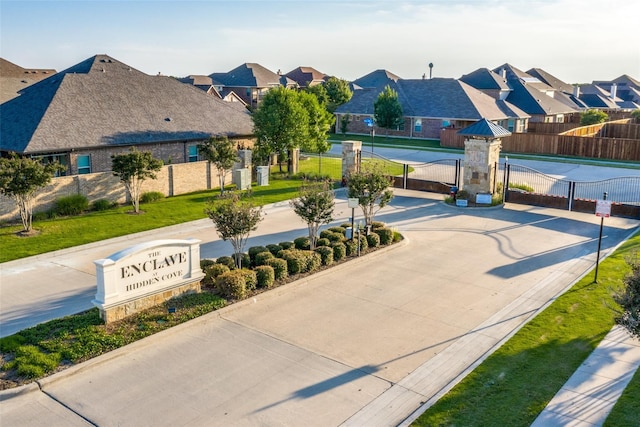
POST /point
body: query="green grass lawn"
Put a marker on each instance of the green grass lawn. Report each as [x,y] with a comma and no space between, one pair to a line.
[383,140]
[513,385]
[61,233]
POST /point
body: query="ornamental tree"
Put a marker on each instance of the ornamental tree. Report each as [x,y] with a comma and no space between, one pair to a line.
[280,123]
[338,92]
[319,124]
[133,168]
[314,205]
[371,186]
[387,111]
[21,178]
[592,117]
[629,299]
[220,152]
[235,217]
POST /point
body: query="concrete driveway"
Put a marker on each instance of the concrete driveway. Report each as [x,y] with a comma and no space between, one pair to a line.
[363,344]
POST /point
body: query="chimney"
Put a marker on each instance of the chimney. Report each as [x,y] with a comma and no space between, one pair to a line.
[576,91]
[614,91]
[503,73]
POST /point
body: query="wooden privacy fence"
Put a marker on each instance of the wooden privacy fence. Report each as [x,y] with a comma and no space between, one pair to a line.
[562,145]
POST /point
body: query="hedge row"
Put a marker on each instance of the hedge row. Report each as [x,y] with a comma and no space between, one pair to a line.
[263,266]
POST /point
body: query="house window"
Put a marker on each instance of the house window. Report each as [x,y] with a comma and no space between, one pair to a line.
[193,153]
[446,123]
[510,125]
[417,126]
[84,164]
[357,118]
[400,126]
[51,158]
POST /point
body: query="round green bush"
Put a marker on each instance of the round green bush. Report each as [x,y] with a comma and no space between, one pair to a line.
[213,271]
[232,284]
[313,261]
[345,225]
[228,261]
[302,243]
[363,242]
[102,205]
[286,245]
[377,224]
[151,196]
[323,242]
[262,257]
[266,276]
[339,251]
[204,263]
[340,230]
[326,254]
[373,240]
[71,205]
[279,268]
[274,249]
[386,235]
[255,250]
[250,279]
[351,248]
[296,262]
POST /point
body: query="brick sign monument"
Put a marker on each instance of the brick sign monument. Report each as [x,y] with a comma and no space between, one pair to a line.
[146,275]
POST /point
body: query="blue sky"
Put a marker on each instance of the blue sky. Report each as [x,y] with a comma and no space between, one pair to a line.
[575,40]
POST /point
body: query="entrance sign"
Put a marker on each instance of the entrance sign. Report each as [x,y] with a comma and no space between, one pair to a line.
[145,275]
[603,208]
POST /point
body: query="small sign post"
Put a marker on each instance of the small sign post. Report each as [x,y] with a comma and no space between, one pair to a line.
[353,204]
[603,210]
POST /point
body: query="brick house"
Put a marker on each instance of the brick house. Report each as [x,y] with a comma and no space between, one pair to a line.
[428,105]
[100,106]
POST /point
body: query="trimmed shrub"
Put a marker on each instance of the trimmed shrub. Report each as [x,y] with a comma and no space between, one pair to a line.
[232,284]
[266,276]
[279,266]
[296,262]
[102,205]
[373,240]
[228,261]
[204,263]
[397,236]
[313,260]
[323,242]
[274,249]
[255,250]
[213,271]
[336,237]
[363,242]
[40,216]
[339,251]
[250,279]
[386,235]
[262,257]
[302,243]
[351,247]
[340,230]
[71,205]
[151,196]
[286,245]
[326,254]
[375,225]
[345,225]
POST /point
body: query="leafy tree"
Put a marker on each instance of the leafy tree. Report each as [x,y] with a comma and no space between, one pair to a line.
[370,186]
[635,114]
[320,122]
[338,92]
[592,117]
[133,168]
[235,218]
[387,111]
[21,178]
[221,153]
[320,92]
[314,205]
[629,299]
[280,123]
[344,123]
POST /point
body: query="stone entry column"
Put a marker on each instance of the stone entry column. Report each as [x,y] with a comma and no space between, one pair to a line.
[480,160]
[351,151]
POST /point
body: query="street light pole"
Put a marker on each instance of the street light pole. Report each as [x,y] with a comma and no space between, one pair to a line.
[373,135]
[595,279]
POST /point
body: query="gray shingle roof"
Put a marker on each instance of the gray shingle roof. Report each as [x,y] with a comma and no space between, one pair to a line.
[101,102]
[442,98]
[375,79]
[306,76]
[484,78]
[14,78]
[551,80]
[484,129]
[251,74]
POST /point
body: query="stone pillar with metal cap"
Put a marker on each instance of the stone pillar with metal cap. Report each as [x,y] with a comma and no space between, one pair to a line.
[481,157]
[351,151]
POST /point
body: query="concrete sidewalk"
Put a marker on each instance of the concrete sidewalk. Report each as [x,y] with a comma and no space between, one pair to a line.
[366,343]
